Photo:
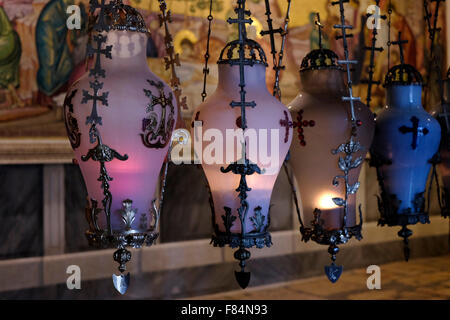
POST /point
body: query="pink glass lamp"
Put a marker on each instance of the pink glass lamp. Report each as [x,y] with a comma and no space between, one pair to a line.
[241,182]
[119,118]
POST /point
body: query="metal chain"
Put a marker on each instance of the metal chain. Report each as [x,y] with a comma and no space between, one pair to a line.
[432,29]
[277,62]
[347,62]
[279,67]
[389,34]
[370,81]
[172,58]
[205,68]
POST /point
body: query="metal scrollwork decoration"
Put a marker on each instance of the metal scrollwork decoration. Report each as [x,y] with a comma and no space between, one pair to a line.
[157,131]
[71,122]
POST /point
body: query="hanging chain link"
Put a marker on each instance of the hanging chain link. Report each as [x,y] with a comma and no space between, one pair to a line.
[389,44]
[433,63]
[372,48]
[207,56]
[277,61]
[172,58]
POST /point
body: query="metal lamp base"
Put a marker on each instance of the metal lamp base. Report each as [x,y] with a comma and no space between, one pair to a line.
[235,240]
[332,238]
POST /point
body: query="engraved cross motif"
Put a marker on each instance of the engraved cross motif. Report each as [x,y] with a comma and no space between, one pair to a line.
[415,130]
[96,86]
[97,71]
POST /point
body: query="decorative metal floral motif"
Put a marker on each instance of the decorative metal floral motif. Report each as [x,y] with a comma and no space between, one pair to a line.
[228,219]
[346,164]
[258,220]
[71,122]
[143,222]
[128,213]
[102,153]
[157,132]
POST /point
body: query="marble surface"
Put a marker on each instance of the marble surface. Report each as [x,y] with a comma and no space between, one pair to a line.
[421,279]
[75,203]
[21,211]
[198,281]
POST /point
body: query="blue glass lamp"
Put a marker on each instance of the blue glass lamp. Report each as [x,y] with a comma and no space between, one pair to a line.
[406,139]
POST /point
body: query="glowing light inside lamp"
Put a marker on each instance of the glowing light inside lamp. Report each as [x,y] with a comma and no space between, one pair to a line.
[326,201]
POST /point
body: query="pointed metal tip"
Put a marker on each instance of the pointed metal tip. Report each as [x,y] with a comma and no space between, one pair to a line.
[333,272]
[406,252]
[243,278]
[121,282]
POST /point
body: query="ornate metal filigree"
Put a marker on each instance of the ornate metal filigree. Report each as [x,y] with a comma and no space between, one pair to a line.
[320,59]
[71,122]
[117,16]
[102,153]
[252,52]
[402,74]
[235,240]
[330,237]
[346,164]
[128,214]
[228,219]
[157,132]
[389,204]
[258,220]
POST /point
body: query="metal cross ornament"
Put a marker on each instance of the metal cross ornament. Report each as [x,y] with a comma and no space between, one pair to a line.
[372,49]
[319,28]
[97,71]
[94,5]
[172,59]
[400,44]
[415,130]
[94,118]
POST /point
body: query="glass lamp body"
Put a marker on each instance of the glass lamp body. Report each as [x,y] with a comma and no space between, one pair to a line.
[408,151]
[133,123]
[216,114]
[322,122]
[439,112]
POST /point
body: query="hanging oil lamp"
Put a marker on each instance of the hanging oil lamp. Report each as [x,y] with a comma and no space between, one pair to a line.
[242,184]
[441,112]
[326,169]
[119,118]
[406,139]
